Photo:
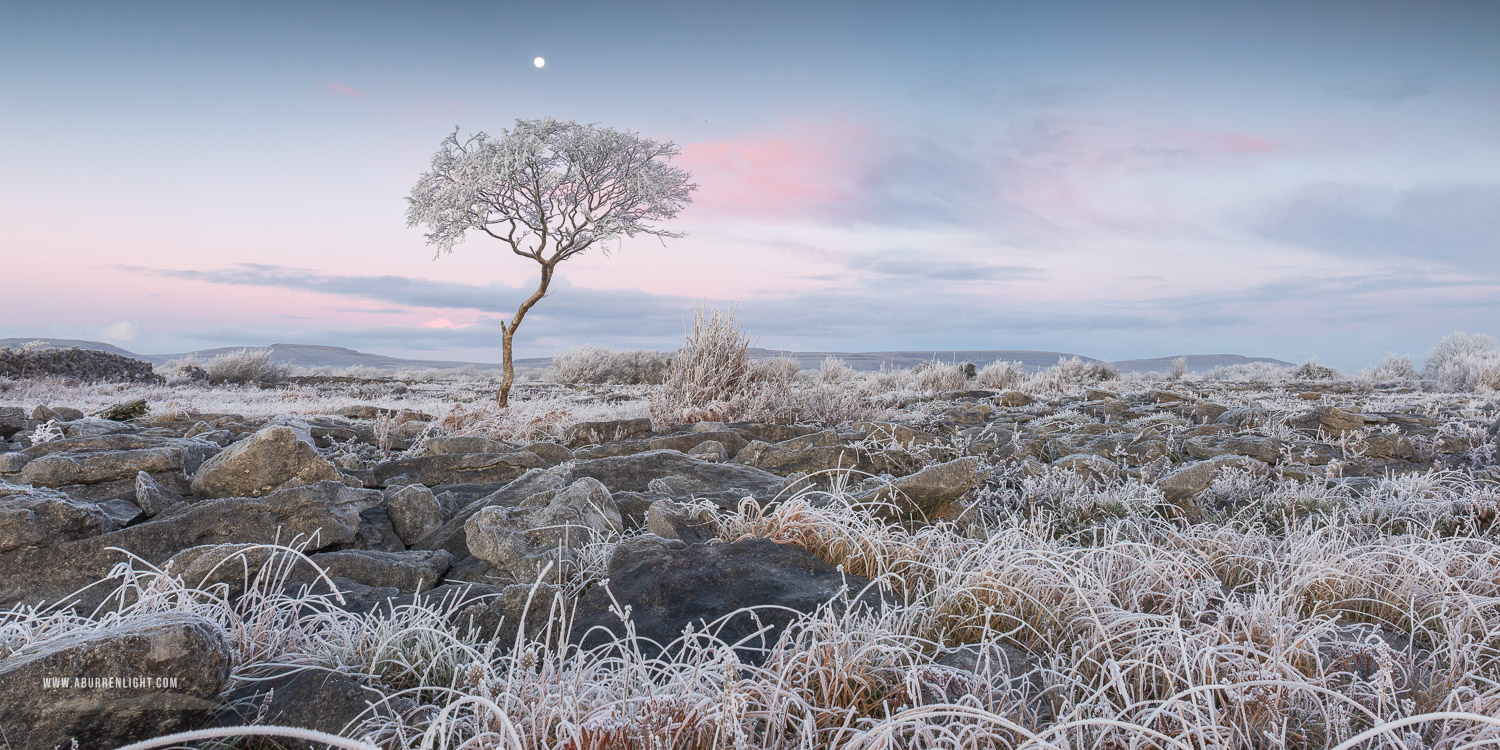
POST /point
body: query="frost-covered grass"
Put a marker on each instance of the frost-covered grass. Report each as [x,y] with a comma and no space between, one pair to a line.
[1286,616]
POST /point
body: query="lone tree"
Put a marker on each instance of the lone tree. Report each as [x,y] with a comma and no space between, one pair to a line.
[550,190]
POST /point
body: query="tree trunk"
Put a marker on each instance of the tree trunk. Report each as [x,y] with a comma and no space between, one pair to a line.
[508,333]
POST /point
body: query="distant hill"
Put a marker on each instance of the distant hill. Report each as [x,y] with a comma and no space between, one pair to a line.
[312,355]
[1195,362]
[1030,360]
[871,361]
[296,355]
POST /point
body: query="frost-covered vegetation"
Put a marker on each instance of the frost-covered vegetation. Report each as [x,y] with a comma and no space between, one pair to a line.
[1251,557]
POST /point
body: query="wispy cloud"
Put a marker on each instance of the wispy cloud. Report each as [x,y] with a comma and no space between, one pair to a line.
[339,89]
[1388,93]
[1456,223]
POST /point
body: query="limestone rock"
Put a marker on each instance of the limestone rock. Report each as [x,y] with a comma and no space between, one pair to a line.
[547,529]
[173,667]
[261,463]
[927,491]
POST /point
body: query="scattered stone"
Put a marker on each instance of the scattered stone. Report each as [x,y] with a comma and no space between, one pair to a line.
[683,476]
[416,512]
[1337,422]
[1193,478]
[316,699]
[271,458]
[404,571]
[329,510]
[1244,417]
[547,531]
[593,433]
[779,458]
[101,710]
[670,519]
[33,517]
[712,451]
[233,567]
[1260,448]
[452,536]
[368,411]
[457,468]
[1089,466]
[669,585]
[12,420]
[152,497]
[124,412]
[375,530]
[551,454]
[926,492]
[500,618]
[1208,412]
[173,456]
[13,461]
[1013,399]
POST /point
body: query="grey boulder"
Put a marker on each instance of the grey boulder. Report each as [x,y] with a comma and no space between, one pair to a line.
[138,679]
[35,517]
[261,463]
[545,532]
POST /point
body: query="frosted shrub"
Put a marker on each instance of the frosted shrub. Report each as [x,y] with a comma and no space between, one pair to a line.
[713,379]
[1073,372]
[1457,347]
[1267,373]
[243,367]
[835,371]
[711,372]
[1312,369]
[598,365]
[1393,369]
[936,377]
[1465,362]
[1000,375]
[46,432]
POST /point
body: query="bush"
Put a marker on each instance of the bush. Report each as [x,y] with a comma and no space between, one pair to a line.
[597,365]
[1394,368]
[1253,372]
[1074,372]
[835,371]
[709,375]
[1179,369]
[1312,369]
[1465,362]
[713,379]
[936,377]
[1000,375]
[243,367]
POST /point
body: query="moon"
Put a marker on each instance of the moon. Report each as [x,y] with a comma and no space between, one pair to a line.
[539,62]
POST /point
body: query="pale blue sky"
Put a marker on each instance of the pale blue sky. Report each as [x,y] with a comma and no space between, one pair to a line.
[1112,179]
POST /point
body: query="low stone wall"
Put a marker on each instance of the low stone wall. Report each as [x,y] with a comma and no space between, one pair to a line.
[75,363]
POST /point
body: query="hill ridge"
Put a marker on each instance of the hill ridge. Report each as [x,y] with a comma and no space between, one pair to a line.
[323,355]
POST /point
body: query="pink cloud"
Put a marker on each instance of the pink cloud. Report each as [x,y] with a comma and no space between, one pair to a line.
[810,172]
[1249,144]
[339,89]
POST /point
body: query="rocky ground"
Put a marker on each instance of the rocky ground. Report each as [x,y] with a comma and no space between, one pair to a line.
[1011,550]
